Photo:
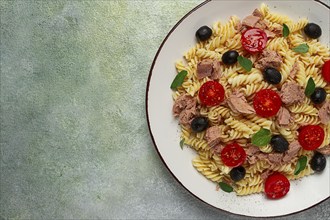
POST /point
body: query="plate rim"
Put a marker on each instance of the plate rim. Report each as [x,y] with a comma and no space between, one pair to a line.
[152,137]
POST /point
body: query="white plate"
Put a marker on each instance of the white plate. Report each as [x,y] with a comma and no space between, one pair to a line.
[165,131]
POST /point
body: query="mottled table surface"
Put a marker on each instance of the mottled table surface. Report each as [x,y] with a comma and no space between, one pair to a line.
[74,137]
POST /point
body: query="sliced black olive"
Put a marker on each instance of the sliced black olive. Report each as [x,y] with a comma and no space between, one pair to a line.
[237,173]
[272,76]
[318,162]
[318,96]
[199,124]
[279,143]
[230,57]
[313,30]
[204,33]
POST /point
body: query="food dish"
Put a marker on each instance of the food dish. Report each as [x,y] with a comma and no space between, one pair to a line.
[222,102]
[179,162]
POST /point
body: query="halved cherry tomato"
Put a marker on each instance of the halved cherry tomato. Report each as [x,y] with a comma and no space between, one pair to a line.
[254,40]
[311,136]
[233,155]
[326,71]
[267,102]
[211,93]
[276,186]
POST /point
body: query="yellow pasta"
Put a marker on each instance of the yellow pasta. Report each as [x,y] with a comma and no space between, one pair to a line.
[258,167]
[266,148]
[246,79]
[297,26]
[277,18]
[251,89]
[250,181]
[278,44]
[247,190]
[304,109]
[206,170]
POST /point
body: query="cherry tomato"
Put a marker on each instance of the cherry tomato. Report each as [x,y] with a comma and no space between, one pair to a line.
[233,155]
[276,186]
[267,103]
[326,71]
[211,93]
[311,136]
[254,40]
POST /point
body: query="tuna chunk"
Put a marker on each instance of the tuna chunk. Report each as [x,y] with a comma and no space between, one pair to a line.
[265,174]
[324,113]
[270,34]
[294,147]
[187,115]
[250,21]
[185,108]
[252,150]
[212,136]
[269,58]
[253,21]
[216,73]
[261,25]
[294,70]
[217,149]
[204,68]
[257,13]
[292,93]
[252,153]
[208,68]
[324,150]
[252,159]
[275,158]
[283,117]
[238,104]
[183,102]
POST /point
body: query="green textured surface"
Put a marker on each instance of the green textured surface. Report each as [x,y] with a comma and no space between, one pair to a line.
[74,137]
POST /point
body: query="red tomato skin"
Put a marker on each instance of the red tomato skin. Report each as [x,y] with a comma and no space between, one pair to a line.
[267,103]
[254,40]
[326,71]
[211,93]
[276,186]
[311,137]
[233,155]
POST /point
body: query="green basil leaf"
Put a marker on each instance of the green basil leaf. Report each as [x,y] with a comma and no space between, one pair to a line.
[301,165]
[302,48]
[310,88]
[286,30]
[261,138]
[245,63]
[181,143]
[178,80]
[225,187]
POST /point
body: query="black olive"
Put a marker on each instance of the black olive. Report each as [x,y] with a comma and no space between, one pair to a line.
[279,143]
[230,57]
[318,96]
[237,173]
[273,76]
[204,33]
[199,124]
[318,162]
[313,30]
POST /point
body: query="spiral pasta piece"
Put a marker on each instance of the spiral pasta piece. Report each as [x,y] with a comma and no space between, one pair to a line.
[304,109]
[203,168]
[246,79]
[247,190]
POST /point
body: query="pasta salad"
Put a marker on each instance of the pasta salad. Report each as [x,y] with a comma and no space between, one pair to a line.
[252,98]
